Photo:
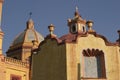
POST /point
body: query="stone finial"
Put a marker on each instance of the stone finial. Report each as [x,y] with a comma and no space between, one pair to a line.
[35,44]
[51,28]
[90,24]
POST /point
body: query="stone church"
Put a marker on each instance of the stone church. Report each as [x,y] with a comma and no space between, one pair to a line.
[81,54]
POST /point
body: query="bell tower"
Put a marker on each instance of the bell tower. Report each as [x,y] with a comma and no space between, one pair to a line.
[77,24]
[1,33]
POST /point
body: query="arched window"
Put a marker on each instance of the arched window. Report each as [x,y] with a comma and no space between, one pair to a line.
[83,29]
[94,64]
[73,28]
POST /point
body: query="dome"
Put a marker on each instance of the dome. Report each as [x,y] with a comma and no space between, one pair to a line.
[28,35]
[25,42]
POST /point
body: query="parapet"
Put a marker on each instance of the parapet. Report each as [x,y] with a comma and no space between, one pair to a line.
[15,62]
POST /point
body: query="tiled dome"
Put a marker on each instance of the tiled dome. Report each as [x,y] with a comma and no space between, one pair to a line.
[28,35]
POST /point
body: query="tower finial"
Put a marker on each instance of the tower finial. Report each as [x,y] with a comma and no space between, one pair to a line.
[30,15]
[77,12]
[30,23]
[76,9]
[90,24]
[51,28]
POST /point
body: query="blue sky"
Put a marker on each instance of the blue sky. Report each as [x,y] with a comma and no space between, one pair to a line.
[104,13]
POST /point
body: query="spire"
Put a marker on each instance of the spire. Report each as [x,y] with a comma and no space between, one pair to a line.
[30,23]
[77,13]
[30,15]
[76,9]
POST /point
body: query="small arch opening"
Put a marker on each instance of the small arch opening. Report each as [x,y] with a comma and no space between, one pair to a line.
[73,29]
[83,29]
[94,63]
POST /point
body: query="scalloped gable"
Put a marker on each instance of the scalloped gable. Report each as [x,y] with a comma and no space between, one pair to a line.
[70,38]
[52,37]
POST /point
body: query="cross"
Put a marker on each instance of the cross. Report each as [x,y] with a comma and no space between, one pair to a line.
[76,9]
[30,14]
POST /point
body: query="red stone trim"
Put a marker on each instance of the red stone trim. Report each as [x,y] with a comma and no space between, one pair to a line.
[93,52]
[104,38]
[96,52]
[72,38]
[66,38]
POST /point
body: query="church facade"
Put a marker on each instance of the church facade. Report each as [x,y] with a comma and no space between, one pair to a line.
[82,54]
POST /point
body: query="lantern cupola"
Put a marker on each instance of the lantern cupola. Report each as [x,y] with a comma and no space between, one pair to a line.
[77,24]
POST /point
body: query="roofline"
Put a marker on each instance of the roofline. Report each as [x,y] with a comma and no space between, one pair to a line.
[60,41]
